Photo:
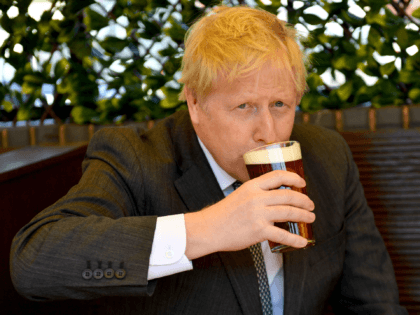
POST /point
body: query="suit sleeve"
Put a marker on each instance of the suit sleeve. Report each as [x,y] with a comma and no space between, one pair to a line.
[368,284]
[100,224]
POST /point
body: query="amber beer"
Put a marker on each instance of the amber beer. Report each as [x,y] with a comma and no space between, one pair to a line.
[281,156]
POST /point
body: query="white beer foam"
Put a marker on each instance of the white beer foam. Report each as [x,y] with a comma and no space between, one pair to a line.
[274,154]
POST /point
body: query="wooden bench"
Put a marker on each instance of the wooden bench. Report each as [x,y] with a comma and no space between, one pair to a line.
[31,179]
[389,166]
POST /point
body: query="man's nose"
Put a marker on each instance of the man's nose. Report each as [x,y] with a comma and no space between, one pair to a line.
[265,131]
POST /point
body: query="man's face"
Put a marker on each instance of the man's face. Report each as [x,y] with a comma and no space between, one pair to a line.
[250,112]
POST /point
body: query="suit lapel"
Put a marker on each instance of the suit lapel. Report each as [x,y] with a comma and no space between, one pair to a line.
[199,188]
[243,277]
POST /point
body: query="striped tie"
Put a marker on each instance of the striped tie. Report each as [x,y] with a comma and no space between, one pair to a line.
[259,263]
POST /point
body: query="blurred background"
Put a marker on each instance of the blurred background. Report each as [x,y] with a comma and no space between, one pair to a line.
[69,68]
[112,61]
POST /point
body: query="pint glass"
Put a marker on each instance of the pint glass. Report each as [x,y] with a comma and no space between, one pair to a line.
[280,156]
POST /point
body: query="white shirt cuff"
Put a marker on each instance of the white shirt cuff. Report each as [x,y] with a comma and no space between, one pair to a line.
[168,249]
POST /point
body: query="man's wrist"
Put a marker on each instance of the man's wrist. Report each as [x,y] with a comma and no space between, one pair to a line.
[200,240]
[168,250]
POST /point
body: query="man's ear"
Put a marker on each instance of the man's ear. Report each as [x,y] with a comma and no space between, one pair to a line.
[193,105]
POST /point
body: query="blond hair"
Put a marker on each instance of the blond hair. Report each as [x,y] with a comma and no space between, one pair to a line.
[233,41]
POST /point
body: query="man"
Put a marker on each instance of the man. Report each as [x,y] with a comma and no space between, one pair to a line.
[156,226]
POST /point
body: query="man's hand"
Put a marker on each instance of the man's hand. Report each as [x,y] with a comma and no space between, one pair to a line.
[247,216]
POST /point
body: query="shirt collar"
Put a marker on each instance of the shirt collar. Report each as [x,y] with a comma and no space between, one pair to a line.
[223,178]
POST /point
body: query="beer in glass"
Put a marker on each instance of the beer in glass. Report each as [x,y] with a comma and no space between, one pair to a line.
[281,156]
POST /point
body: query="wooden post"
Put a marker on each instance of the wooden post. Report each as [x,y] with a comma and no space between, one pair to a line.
[406,117]
[32,135]
[372,119]
[5,138]
[62,134]
[339,125]
[150,124]
[91,131]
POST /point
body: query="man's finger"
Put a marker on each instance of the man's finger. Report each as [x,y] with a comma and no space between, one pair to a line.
[289,213]
[281,236]
[289,198]
[275,179]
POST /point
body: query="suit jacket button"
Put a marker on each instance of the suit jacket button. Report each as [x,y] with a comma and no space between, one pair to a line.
[98,274]
[120,274]
[109,273]
[87,274]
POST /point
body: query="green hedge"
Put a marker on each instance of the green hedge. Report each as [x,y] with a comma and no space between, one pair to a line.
[75,60]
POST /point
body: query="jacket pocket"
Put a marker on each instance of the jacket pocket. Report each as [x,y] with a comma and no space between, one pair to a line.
[331,248]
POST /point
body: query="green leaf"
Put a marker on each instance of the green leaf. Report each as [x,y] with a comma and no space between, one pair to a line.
[172,65]
[37,79]
[64,87]
[155,82]
[61,68]
[376,18]
[31,83]
[113,44]
[386,49]
[407,76]
[190,12]
[7,105]
[152,29]
[321,59]
[365,94]
[388,68]
[364,51]
[312,102]
[352,19]
[414,94]
[313,19]
[176,32]
[74,6]
[345,91]
[374,37]
[345,62]
[388,89]
[402,38]
[171,99]
[139,4]
[334,7]
[393,21]
[29,88]
[372,63]
[416,13]
[349,47]
[94,21]
[80,47]
[158,3]
[207,2]
[82,114]
[169,51]
[6,24]
[334,101]
[24,114]
[314,80]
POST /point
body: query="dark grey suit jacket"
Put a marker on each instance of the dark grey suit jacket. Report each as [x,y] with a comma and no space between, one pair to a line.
[130,179]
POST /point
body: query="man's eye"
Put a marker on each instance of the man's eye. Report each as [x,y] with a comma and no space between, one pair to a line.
[279,104]
[242,106]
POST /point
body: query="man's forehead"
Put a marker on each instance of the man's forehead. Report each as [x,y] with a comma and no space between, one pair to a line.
[272,78]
